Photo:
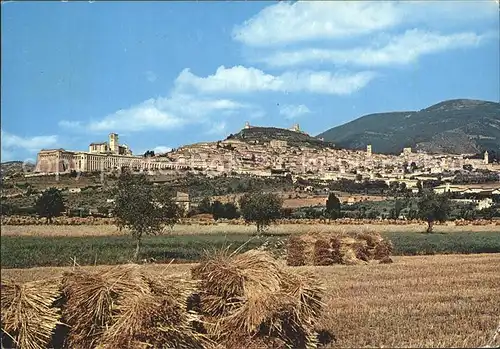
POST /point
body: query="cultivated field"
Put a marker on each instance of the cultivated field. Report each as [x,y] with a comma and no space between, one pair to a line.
[225,228]
[422,301]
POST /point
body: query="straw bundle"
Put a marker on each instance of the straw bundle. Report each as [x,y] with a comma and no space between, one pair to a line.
[322,253]
[29,316]
[386,260]
[363,252]
[336,244]
[371,238]
[383,249]
[295,251]
[349,255]
[251,295]
[338,248]
[155,317]
[90,300]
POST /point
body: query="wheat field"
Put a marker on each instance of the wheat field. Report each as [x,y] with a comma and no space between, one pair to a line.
[422,301]
[224,228]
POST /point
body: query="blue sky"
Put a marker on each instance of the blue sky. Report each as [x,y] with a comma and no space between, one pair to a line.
[164,74]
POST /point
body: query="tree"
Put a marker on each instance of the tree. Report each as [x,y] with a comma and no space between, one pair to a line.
[231,211]
[413,166]
[205,206]
[261,209]
[50,204]
[142,208]
[332,206]
[149,153]
[217,210]
[419,187]
[433,207]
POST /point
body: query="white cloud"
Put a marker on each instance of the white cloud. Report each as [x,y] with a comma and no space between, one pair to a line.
[401,49]
[286,23]
[163,113]
[11,141]
[311,20]
[146,115]
[150,76]
[70,124]
[291,111]
[13,146]
[240,79]
[217,128]
[161,149]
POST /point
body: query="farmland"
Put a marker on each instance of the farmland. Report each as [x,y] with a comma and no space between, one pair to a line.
[420,301]
[53,245]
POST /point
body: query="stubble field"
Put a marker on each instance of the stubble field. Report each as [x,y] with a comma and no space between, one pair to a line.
[420,301]
[224,228]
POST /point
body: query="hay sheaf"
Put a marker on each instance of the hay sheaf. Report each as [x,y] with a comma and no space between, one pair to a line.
[29,316]
[295,251]
[336,248]
[253,296]
[383,250]
[90,299]
[156,317]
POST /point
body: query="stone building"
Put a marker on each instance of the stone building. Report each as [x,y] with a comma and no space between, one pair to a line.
[101,156]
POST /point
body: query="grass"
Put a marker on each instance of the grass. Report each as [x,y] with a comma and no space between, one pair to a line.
[419,301]
[225,228]
[33,251]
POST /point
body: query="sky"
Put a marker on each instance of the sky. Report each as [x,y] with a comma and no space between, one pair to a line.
[165,74]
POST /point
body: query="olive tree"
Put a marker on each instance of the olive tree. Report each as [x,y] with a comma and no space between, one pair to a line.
[143,208]
[433,207]
[261,209]
[50,204]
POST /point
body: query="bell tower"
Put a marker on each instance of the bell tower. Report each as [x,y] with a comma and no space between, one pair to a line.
[113,143]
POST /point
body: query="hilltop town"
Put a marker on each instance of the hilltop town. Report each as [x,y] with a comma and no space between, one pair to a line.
[266,152]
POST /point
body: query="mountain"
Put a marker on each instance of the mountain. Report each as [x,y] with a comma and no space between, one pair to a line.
[458,126]
[266,134]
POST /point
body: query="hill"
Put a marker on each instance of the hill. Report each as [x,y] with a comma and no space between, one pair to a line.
[458,126]
[266,134]
[10,168]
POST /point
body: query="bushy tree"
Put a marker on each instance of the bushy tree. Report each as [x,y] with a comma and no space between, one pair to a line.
[261,209]
[227,210]
[50,204]
[433,207]
[217,210]
[231,211]
[205,206]
[143,208]
[332,206]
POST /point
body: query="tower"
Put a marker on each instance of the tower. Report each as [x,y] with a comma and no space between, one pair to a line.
[369,150]
[296,128]
[486,157]
[113,143]
[247,125]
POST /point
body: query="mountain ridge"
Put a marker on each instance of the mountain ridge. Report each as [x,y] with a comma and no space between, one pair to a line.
[452,126]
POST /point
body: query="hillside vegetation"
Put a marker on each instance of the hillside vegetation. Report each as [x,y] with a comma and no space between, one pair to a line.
[266,134]
[460,126]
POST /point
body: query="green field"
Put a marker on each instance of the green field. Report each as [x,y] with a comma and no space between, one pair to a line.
[29,251]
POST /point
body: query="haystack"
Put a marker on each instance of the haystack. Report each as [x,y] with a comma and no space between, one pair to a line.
[90,299]
[371,238]
[29,316]
[251,295]
[323,253]
[386,260]
[337,248]
[383,249]
[295,251]
[156,317]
